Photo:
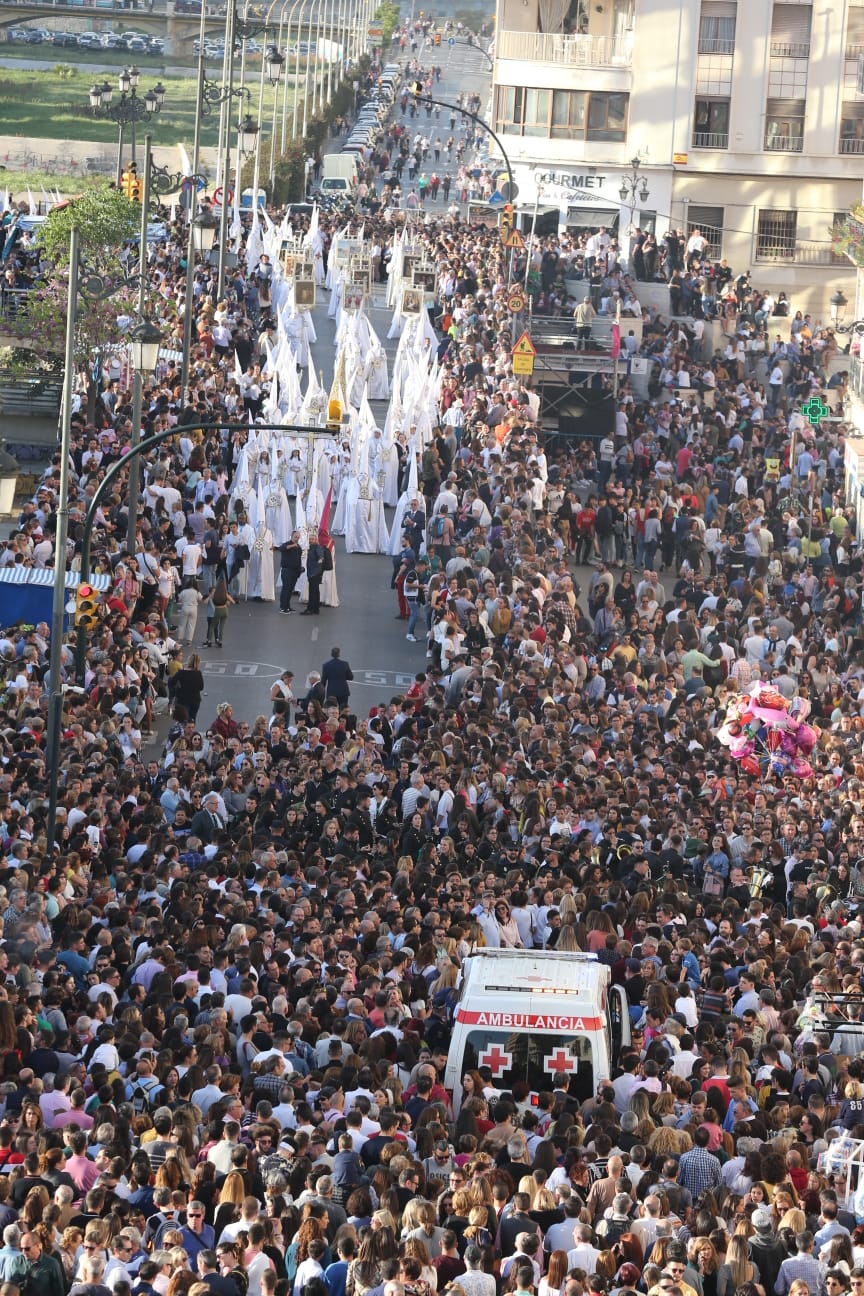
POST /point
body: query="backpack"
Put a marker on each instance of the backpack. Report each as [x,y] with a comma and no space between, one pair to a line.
[327,562]
[438,527]
[140,1099]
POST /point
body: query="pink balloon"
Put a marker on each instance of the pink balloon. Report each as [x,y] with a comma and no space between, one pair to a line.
[790,744]
[742,746]
[806,737]
[801,768]
[771,716]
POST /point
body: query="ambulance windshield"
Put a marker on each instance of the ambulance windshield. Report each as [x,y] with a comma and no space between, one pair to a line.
[542,1061]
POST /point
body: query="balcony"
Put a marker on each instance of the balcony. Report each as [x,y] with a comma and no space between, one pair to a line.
[710,139]
[852,145]
[785,138]
[570,51]
[796,50]
[715,46]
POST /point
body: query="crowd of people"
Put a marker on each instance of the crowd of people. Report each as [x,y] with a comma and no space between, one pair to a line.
[228,985]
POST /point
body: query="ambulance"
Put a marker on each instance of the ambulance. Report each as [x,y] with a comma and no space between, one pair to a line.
[553,1021]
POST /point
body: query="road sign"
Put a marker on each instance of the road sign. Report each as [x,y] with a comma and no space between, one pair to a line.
[516,302]
[523,364]
[508,191]
[217,196]
[495,200]
[452,41]
[524,346]
[515,241]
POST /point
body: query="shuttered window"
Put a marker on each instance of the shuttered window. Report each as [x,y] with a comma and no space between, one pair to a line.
[717,27]
[790,31]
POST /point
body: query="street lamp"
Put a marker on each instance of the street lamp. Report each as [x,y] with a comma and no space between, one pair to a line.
[633,184]
[837,305]
[204,228]
[247,133]
[273,65]
[129,109]
[144,342]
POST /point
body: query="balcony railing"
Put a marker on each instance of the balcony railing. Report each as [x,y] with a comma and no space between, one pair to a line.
[799,251]
[785,141]
[715,46]
[852,145]
[711,139]
[573,51]
[795,49]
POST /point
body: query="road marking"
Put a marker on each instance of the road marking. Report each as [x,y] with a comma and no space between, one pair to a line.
[242,669]
[315,634]
[382,679]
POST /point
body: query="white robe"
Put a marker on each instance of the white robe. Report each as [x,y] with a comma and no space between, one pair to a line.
[365,523]
[278,514]
[260,580]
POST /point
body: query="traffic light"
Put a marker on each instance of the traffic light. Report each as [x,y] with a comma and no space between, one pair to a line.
[437,38]
[506,221]
[131,184]
[417,89]
[86,607]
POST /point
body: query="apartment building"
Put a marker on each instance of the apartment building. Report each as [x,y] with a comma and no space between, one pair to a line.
[740,117]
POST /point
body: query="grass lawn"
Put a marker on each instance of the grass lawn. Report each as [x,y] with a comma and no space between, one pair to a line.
[43,105]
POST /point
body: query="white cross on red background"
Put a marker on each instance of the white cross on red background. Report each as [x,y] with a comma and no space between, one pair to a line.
[558,1061]
[496,1060]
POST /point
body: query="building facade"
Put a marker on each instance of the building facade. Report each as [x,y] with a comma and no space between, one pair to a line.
[741,118]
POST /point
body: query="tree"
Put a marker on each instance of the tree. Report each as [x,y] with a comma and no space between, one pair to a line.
[847,237]
[106,221]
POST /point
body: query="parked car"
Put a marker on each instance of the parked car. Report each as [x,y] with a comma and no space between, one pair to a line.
[64,39]
[137,45]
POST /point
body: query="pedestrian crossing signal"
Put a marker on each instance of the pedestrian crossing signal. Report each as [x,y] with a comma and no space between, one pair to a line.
[86,607]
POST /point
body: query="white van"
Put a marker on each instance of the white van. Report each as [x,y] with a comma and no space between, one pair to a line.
[552,1021]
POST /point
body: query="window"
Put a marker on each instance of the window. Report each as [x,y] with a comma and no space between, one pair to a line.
[709,222]
[852,127]
[784,125]
[526,111]
[711,123]
[854,33]
[790,31]
[568,114]
[562,114]
[530,1057]
[607,117]
[775,235]
[717,27]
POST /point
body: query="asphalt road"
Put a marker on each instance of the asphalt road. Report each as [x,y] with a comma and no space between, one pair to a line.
[259,642]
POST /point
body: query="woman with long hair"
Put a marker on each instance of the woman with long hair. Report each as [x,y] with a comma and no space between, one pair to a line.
[552,1283]
[737,1268]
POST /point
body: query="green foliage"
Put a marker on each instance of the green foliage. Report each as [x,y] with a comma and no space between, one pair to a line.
[288,174]
[387,14]
[104,218]
[847,237]
[65,71]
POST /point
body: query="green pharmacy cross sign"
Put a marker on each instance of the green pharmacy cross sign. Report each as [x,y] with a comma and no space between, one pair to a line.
[815,410]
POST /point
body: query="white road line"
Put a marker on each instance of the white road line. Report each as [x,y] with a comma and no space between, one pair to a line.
[314,634]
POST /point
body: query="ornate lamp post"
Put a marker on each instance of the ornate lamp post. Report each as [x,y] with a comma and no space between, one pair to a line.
[129,108]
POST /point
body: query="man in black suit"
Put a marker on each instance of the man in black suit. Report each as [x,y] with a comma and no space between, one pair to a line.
[291,564]
[314,575]
[207,823]
[335,675]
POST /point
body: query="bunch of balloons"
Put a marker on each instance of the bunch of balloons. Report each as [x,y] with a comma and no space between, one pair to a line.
[765,731]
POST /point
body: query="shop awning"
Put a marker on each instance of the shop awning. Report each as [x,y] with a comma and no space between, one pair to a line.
[591,216]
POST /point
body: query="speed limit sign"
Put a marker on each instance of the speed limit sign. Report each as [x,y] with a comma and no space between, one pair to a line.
[516,302]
